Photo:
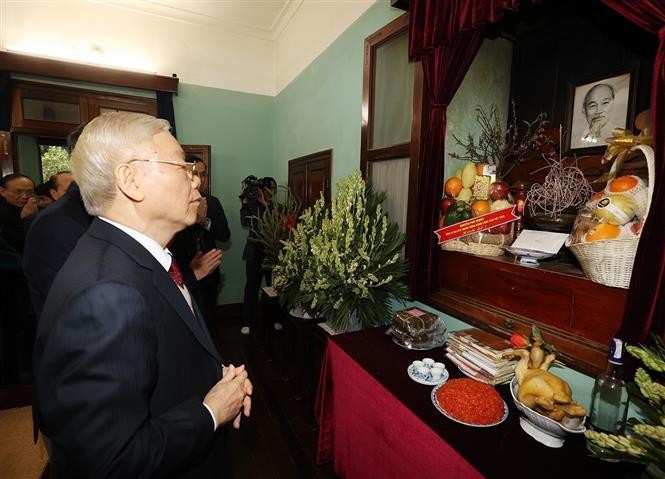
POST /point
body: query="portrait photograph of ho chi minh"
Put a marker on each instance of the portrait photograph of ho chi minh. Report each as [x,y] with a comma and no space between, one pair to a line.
[596,108]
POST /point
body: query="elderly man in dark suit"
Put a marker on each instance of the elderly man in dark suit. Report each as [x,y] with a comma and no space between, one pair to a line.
[128,381]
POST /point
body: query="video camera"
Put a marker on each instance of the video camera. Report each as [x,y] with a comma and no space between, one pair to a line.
[252,185]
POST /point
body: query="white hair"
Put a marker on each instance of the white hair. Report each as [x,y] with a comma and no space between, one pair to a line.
[107,141]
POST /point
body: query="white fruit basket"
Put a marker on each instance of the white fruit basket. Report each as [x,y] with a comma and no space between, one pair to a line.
[610,262]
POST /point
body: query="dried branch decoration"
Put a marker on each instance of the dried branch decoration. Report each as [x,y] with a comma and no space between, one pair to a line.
[564,187]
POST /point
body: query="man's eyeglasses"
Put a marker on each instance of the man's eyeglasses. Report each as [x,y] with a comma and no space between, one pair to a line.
[190,167]
[21,192]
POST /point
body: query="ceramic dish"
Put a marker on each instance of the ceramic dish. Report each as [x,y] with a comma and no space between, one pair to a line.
[529,253]
[542,429]
[443,411]
[427,381]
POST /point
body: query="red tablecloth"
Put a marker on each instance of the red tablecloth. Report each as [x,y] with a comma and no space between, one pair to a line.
[375,422]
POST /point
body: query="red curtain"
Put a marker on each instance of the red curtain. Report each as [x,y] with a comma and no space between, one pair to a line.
[645,309]
[445,36]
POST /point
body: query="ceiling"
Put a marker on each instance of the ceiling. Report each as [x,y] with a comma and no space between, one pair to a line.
[264,19]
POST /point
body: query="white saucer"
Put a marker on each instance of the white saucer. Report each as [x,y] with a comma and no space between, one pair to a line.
[528,253]
[428,380]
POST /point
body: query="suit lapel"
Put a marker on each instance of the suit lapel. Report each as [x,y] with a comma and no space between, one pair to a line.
[161,280]
[193,320]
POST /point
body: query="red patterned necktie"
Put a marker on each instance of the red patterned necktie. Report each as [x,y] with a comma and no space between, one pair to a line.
[175,273]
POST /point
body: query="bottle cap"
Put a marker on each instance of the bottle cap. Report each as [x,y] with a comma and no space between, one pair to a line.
[615,354]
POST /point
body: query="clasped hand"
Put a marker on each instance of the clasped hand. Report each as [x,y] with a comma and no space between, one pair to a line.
[231,397]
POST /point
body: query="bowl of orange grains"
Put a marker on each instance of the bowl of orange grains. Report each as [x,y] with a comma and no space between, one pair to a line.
[470,402]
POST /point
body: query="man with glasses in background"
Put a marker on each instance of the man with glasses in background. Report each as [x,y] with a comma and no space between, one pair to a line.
[196,246]
[17,202]
[128,381]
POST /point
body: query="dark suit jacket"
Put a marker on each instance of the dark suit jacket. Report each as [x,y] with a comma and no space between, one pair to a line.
[122,366]
[51,237]
[194,238]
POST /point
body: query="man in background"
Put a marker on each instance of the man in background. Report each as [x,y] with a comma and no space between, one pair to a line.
[253,252]
[17,201]
[196,246]
[54,233]
[128,382]
[61,182]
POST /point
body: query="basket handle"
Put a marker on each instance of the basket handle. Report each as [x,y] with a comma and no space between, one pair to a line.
[647,152]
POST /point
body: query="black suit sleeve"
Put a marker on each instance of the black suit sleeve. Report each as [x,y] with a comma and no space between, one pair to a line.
[49,242]
[100,361]
[219,226]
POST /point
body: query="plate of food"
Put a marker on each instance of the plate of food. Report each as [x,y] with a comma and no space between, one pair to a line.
[470,402]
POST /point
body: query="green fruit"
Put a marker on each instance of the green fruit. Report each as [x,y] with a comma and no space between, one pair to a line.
[465,194]
[469,175]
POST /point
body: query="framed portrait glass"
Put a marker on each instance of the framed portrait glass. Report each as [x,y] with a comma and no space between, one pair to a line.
[595,108]
[202,153]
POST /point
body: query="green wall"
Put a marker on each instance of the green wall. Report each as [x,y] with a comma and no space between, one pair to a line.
[28,157]
[321,108]
[239,128]
[487,82]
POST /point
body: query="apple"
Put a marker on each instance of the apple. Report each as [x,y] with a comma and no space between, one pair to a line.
[503,229]
[446,203]
[499,190]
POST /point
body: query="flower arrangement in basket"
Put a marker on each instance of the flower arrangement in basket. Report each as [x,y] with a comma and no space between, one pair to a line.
[607,230]
[344,260]
[471,192]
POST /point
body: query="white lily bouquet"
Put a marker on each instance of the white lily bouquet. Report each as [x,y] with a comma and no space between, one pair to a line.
[344,259]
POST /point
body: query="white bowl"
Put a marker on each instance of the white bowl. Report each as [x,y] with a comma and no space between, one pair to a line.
[541,428]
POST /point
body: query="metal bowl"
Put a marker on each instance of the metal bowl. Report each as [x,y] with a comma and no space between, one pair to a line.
[563,222]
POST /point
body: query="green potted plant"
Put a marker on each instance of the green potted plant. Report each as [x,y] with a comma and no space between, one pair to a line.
[344,262]
[275,224]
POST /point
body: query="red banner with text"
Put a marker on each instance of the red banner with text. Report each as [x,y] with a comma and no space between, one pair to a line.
[474,225]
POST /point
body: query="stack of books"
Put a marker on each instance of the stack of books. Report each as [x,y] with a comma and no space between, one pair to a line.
[480,355]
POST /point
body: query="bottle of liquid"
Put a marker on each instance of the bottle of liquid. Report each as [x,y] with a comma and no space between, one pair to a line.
[609,399]
[519,196]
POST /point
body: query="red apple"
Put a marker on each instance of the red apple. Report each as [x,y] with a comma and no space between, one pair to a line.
[499,190]
[503,229]
[446,203]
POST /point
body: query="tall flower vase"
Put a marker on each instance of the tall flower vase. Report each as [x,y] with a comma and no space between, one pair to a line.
[352,325]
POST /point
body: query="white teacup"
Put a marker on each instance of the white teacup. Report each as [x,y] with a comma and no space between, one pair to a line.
[439,365]
[429,362]
[436,373]
[423,371]
[417,364]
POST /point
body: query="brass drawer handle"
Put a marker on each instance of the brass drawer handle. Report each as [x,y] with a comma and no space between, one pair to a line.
[509,323]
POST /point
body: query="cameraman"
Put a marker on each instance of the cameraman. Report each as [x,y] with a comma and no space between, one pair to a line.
[256,197]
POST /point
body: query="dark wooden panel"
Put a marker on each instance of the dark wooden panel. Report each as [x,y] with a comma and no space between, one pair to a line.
[579,316]
[318,176]
[30,65]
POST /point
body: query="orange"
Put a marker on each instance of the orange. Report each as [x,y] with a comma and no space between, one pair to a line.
[453,187]
[479,168]
[623,183]
[597,195]
[480,207]
[603,231]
